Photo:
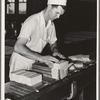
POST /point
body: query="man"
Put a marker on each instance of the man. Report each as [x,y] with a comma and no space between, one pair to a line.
[36,32]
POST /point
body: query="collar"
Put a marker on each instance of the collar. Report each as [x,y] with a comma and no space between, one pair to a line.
[43,21]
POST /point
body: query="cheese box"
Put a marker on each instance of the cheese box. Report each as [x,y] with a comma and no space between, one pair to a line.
[26,77]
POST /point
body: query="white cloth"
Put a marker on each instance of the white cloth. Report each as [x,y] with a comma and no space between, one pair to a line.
[38,36]
[57,2]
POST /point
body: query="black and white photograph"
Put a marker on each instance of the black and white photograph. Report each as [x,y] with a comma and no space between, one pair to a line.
[50,50]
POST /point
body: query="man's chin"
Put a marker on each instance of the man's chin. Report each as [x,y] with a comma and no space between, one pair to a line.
[53,19]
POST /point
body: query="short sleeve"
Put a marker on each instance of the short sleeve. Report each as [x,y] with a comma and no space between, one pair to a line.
[53,37]
[28,28]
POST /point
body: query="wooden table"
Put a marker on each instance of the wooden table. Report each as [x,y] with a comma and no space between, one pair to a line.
[71,86]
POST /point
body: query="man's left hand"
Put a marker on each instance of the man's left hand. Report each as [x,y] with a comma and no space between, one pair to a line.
[59,55]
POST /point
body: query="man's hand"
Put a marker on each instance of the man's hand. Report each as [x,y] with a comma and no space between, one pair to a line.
[55,51]
[48,58]
[59,55]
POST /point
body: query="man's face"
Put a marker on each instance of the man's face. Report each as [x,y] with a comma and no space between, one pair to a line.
[56,12]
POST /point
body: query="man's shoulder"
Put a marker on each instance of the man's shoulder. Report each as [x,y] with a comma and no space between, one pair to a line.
[52,23]
[33,18]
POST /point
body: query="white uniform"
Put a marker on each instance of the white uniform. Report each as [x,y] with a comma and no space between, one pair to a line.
[38,36]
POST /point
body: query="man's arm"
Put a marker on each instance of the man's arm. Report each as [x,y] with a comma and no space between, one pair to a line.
[55,51]
[21,48]
[54,47]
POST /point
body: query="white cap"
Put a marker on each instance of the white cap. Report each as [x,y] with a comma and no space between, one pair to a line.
[57,2]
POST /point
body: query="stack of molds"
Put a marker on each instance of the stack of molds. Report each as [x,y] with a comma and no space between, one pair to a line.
[42,68]
[26,77]
[58,70]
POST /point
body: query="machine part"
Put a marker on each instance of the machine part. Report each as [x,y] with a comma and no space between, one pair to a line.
[73,90]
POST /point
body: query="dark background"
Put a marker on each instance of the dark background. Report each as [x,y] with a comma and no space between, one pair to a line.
[80,15]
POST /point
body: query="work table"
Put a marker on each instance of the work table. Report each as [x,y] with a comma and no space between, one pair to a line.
[50,89]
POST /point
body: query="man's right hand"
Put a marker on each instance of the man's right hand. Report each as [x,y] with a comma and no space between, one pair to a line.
[49,58]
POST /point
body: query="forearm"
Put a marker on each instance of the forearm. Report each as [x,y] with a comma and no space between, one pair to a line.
[54,47]
[21,48]
[26,52]
[56,52]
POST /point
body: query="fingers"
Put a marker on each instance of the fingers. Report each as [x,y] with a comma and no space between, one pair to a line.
[59,55]
[53,59]
[49,58]
[50,64]
[63,57]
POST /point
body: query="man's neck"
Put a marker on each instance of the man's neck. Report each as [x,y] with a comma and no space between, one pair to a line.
[46,17]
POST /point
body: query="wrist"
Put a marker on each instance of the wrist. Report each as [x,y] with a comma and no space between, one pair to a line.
[39,58]
[55,53]
[55,50]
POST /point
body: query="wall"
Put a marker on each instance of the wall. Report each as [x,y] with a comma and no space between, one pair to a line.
[80,15]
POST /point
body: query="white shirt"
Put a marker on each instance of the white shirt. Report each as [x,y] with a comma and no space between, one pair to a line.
[38,36]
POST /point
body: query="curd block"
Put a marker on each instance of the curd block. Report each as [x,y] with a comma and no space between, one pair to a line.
[79,64]
[60,69]
[84,58]
[55,71]
[15,76]
[23,76]
[75,57]
[26,77]
[31,79]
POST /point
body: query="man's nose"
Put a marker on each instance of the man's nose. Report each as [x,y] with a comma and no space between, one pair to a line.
[58,15]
